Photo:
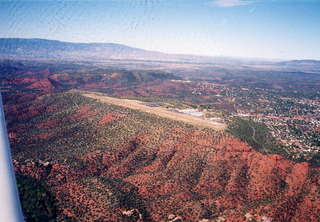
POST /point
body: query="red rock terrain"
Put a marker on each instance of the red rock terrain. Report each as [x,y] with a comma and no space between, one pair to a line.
[190,174]
[168,174]
[42,84]
[195,176]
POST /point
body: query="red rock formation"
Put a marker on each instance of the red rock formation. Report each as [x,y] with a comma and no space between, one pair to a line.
[41,84]
[192,174]
[231,180]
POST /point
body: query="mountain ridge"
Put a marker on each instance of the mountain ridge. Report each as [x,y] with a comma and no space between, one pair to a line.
[53,49]
[160,167]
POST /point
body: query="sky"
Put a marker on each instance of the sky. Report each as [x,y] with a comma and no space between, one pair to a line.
[280,29]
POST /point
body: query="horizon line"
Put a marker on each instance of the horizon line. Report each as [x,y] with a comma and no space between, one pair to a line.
[159,51]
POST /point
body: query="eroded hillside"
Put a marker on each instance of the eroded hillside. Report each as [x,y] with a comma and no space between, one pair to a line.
[108,163]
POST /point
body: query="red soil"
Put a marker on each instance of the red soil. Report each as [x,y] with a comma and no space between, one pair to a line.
[41,84]
[107,118]
[191,174]
[43,136]
[82,113]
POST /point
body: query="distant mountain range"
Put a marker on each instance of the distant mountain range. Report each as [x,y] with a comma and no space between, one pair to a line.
[53,49]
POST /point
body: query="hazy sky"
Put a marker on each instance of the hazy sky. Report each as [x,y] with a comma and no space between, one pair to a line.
[288,29]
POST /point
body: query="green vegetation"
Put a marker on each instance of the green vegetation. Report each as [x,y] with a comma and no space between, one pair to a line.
[315,160]
[38,203]
[73,128]
[122,76]
[256,134]
[108,158]
[164,101]
[126,194]
[62,128]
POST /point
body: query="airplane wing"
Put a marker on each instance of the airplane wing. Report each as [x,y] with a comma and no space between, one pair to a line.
[10,208]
